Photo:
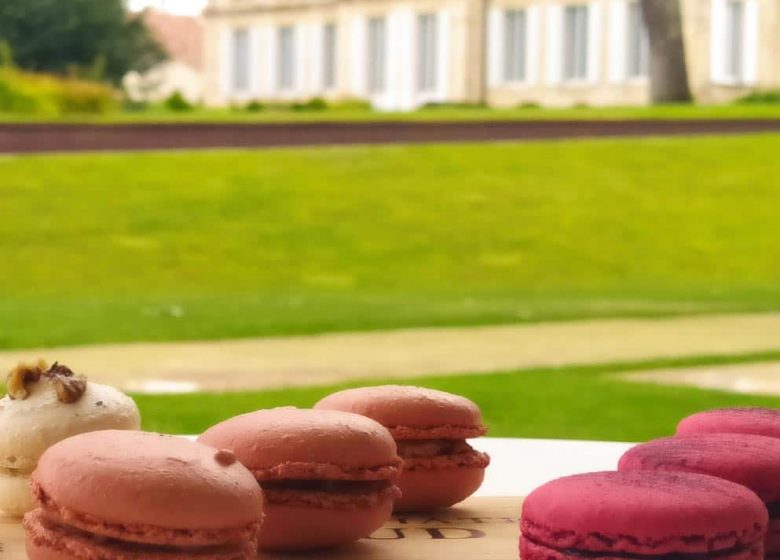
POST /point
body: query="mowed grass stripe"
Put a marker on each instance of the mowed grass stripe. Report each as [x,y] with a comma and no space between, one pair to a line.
[167,246]
[571,403]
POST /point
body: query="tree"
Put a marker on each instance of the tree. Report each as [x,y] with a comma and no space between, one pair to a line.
[65,36]
[668,69]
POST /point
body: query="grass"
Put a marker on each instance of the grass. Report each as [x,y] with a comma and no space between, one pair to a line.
[170,246]
[571,403]
[159,114]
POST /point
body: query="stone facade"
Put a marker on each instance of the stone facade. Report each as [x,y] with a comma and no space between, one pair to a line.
[401,54]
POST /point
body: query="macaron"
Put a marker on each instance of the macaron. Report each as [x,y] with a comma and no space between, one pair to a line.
[137,495]
[642,516]
[752,461]
[748,420]
[45,405]
[431,428]
[328,477]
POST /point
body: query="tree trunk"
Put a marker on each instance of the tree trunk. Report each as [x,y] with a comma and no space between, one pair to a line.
[668,71]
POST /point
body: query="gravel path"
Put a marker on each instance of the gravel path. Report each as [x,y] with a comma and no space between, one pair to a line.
[312,360]
[759,379]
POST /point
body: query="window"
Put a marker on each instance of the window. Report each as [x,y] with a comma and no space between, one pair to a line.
[426,52]
[638,43]
[329,56]
[285,69]
[735,39]
[515,45]
[240,62]
[575,43]
[377,55]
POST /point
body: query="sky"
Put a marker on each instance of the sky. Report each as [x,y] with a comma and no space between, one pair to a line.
[179,7]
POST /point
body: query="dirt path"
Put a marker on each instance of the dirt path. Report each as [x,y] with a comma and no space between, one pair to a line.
[759,379]
[310,360]
[20,138]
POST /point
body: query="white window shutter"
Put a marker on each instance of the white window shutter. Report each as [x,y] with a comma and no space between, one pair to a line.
[751,36]
[495,46]
[401,62]
[254,61]
[718,41]
[314,60]
[532,45]
[358,57]
[443,22]
[617,45]
[595,41]
[554,45]
[226,60]
[267,61]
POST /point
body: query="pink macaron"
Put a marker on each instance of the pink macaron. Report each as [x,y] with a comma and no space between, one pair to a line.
[752,461]
[642,516]
[756,421]
[140,496]
[328,477]
[431,428]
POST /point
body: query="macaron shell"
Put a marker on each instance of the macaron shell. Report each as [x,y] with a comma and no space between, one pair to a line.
[643,512]
[290,528]
[753,461]
[138,478]
[44,543]
[401,405]
[428,490]
[271,438]
[15,496]
[530,550]
[756,421]
[32,425]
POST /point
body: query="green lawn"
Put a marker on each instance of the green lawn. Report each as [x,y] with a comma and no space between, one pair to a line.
[169,246]
[735,111]
[572,403]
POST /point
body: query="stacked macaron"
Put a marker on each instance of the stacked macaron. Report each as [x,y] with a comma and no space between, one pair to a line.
[431,428]
[328,477]
[748,420]
[752,461]
[141,496]
[712,491]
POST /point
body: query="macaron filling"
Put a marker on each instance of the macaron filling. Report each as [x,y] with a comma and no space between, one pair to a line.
[56,534]
[57,520]
[339,494]
[429,454]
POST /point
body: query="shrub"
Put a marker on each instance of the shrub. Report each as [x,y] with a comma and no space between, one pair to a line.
[313,104]
[760,98]
[529,105]
[79,96]
[176,102]
[40,94]
[254,106]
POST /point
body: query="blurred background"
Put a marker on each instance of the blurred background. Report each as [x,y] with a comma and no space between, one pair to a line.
[608,267]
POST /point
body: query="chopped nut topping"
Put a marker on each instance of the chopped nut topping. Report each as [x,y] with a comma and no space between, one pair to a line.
[21,377]
[69,387]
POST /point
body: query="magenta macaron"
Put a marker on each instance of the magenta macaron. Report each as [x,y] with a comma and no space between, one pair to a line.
[748,420]
[752,461]
[642,515]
